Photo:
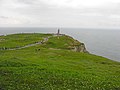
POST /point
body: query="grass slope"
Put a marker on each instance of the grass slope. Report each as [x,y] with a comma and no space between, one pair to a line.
[55,67]
[18,40]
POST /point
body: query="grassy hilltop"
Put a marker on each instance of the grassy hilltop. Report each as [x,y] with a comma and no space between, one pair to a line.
[51,65]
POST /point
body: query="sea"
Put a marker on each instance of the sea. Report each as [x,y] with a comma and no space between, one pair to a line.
[102,42]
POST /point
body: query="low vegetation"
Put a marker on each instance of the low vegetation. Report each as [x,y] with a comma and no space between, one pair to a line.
[18,40]
[53,66]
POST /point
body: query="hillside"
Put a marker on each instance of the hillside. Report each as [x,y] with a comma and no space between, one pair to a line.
[48,62]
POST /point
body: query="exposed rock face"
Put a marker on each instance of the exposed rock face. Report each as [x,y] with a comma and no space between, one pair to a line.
[80,48]
[77,46]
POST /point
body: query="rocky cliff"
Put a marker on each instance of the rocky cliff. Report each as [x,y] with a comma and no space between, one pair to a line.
[77,46]
[80,48]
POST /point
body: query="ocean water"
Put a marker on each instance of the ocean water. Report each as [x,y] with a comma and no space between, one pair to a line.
[102,42]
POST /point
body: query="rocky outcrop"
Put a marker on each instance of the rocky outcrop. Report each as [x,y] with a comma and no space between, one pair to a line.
[77,46]
[80,48]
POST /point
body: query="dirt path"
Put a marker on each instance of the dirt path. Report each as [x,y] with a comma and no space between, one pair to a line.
[30,45]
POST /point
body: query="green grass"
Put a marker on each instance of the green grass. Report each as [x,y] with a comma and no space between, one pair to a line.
[57,68]
[64,42]
[18,40]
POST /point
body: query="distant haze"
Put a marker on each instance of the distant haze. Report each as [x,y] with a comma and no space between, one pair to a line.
[60,13]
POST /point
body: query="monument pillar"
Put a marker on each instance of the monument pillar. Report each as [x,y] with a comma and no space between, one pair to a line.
[58,33]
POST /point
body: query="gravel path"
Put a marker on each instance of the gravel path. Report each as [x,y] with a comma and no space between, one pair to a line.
[30,45]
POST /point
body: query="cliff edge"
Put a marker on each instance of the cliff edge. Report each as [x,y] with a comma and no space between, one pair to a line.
[63,41]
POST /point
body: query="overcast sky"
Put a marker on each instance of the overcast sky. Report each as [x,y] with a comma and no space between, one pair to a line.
[60,13]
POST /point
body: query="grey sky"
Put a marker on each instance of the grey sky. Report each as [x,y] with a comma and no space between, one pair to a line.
[60,13]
